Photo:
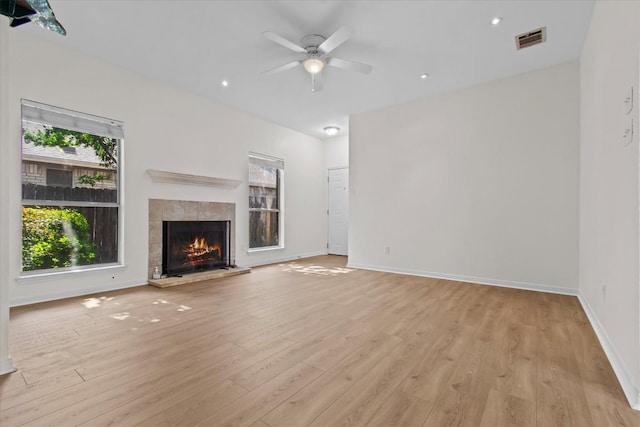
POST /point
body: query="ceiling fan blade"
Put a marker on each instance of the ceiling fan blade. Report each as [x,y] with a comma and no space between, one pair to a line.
[281,68]
[283,42]
[350,65]
[316,82]
[335,40]
[45,16]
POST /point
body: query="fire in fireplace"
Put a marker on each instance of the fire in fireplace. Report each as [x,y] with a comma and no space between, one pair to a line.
[190,246]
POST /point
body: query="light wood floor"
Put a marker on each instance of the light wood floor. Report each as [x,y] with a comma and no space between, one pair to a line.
[311,343]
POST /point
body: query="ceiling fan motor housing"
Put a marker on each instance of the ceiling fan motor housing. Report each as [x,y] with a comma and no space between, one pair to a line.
[311,42]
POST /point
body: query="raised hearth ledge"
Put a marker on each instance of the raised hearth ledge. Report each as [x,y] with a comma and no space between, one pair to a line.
[198,277]
[187,179]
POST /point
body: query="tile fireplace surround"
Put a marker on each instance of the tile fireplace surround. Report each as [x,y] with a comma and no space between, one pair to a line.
[184,210]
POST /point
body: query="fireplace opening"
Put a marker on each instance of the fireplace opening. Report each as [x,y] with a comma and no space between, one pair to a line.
[192,246]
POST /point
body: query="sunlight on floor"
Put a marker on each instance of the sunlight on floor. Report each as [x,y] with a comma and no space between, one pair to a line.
[121,316]
[315,270]
[180,308]
[95,302]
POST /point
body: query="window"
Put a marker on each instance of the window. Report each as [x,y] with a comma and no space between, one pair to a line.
[265,201]
[70,189]
[59,178]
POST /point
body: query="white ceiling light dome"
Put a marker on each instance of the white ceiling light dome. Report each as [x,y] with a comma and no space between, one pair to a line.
[331,130]
[313,65]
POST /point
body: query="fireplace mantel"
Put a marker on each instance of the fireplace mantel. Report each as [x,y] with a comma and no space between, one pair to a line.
[187,179]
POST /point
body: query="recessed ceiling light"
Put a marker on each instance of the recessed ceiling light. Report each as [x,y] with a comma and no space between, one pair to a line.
[331,130]
[225,83]
[495,21]
[424,75]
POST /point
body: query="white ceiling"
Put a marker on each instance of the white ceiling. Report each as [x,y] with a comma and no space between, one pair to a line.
[196,44]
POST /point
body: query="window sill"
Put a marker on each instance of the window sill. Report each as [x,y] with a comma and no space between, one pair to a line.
[265,249]
[28,278]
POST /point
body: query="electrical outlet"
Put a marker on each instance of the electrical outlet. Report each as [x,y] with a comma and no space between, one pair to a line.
[604,292]
[387,250]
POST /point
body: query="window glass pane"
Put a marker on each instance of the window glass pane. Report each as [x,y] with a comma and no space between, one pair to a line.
[263,229]
[54,157]
[264,201]
[263,198]
[58,237]
[59,178]
[263,187]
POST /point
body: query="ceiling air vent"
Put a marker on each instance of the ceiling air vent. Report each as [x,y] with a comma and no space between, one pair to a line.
[531,38]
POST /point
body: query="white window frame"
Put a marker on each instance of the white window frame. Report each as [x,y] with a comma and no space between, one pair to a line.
[278,163]
[80,122]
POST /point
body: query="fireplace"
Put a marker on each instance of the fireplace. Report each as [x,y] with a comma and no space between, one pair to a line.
[191,246]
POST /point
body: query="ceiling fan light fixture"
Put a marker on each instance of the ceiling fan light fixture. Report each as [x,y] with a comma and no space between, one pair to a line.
[331,130]
[313,65]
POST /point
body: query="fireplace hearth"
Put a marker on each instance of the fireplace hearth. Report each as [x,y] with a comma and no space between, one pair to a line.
[194,246]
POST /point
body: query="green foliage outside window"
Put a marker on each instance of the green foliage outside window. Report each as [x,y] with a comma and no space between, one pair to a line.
[105,148]
[90,179]
[53,238]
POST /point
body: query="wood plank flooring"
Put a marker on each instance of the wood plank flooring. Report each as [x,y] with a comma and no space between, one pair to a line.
[310,343]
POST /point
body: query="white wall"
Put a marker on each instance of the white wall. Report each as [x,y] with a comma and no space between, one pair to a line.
[479,184]
[336,152]
[165,129]
[5,360]
[609,186]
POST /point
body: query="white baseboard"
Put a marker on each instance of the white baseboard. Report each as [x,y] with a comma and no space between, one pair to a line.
[285,259]
[631,392]
[74,293]
[471,279]
[6,366]
[87,291]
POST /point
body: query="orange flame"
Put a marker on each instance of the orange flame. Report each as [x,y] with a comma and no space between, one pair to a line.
[200,247]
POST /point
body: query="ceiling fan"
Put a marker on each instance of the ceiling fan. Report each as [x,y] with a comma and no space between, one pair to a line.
[316,48]
[37,11]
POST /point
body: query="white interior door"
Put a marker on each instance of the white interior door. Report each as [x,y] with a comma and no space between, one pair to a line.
[338,213]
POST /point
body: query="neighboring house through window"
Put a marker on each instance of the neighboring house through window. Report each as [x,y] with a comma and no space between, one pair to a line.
[70,188]
[59,178]
[265,201]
